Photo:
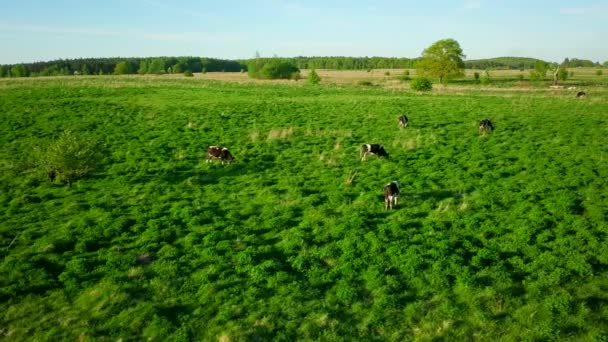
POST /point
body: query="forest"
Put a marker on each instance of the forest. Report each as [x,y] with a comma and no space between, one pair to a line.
[169,65]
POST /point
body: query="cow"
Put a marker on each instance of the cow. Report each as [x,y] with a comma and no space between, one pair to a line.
[375,149]
[403,121]
[485,126]
[391,192]
[581,94]
[218,152]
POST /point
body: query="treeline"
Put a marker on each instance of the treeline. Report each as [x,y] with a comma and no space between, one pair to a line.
[104,66]
[163,65]
[502,63]
[525,63]
[351,63]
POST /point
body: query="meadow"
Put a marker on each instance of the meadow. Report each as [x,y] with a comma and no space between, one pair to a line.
[495,238]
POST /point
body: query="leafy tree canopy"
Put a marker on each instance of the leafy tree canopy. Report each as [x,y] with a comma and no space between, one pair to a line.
[443,60]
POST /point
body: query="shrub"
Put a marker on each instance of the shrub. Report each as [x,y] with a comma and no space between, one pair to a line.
[476,76]
[67,158]
[313,77]
[599,72]
[272,68]
[485,79]
[388,73]
[421,84]
[188,73]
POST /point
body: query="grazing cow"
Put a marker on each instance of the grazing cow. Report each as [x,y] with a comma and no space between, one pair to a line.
[581,94]
[403,121]
[391,192]
[485,126]
[218,152]
[375,149]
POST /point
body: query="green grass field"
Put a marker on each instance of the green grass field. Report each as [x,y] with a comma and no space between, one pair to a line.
[496,238]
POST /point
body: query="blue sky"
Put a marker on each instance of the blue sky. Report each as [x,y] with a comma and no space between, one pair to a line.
[35,30]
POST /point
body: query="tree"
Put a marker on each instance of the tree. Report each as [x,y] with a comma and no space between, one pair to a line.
[143,67]
[18,71]
[2,71]
[540,71]
[122,68]
[313,77]
[157,66]
[443,60]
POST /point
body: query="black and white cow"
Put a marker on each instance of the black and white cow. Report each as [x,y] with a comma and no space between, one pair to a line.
[403,121]
[375,149]
[218,152]
[581,94]
[391,192]
[485,126]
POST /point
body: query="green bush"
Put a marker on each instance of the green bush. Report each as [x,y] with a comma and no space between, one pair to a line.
[188,73]
[485,78]
[271,69]
[313,77]
[421,84]
[68,158]
[600,72]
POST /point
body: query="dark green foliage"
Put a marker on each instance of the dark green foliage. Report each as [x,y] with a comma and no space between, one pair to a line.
[2,71]
[496,238]
[188,73]
[599,72]
[476,76]
[514,63]
[272,69]
[576,63]
[313,77]
[421,84]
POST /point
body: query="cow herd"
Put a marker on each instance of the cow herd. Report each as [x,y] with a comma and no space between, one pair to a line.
[391,190]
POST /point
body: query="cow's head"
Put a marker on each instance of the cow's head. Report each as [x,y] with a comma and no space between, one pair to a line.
[382,152]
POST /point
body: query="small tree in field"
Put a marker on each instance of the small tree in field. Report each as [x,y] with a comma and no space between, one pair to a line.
[540,71]
[442,60]
[122,68]
[600,72]
[313,77]
[67,158]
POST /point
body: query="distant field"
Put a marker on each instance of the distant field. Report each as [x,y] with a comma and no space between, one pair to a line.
[390,77]
[496,238]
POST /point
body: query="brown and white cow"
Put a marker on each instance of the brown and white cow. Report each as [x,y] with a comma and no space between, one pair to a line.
[218,152]
[581,94]
[391,192]
[374,149]
[485,126]
[403,121]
